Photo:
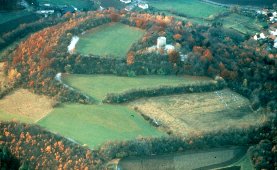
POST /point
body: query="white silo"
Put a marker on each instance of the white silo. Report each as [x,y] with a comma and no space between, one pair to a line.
[161,42]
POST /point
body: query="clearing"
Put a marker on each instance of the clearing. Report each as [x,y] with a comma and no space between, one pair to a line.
[189,8]
[198,113]
[8,16]
[80,4]
[242,23]
[98,86]
[95,124]
[193,159]
[110,39]
[24,106]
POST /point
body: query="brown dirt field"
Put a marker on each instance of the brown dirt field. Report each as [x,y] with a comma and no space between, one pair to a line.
[23,103]
[198,113]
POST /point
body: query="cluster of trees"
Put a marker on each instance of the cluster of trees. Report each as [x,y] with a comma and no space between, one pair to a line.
[36,148]
[163,90]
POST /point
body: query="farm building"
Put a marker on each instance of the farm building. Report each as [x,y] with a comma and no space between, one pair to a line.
[143,5]
[126,1]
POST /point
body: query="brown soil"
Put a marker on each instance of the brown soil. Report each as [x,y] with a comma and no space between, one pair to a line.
[25,103]
[198,113]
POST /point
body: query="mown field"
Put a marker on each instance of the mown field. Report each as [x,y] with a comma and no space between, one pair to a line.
[97,86]
[80,4]
[96,124]
[242,23]
[110,39]
[204,159]
[199,113]
[189,8]
[7,16]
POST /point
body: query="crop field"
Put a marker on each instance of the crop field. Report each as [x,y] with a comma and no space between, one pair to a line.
[97,86]
[204,159]
[95,124]
[22,105]
[111,39]
[198,113]
[80,4]
[242,23]
[189,8]
[7,16]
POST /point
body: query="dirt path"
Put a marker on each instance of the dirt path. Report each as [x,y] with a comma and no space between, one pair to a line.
[207,159]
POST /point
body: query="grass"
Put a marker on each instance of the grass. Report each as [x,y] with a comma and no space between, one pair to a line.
[7,16]
[190,8]
[80,4]
[199,113]
[97,86]
[14,117]
[242,23]
[95,124]
[111,39]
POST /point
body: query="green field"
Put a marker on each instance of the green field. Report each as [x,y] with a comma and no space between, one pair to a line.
[97,86]
[7,16]
[95,124]
[190,8]
[242,23]
[80,4]
[110,39]
[8,117]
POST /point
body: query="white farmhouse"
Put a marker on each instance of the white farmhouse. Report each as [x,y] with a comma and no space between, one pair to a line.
[126,1]
[161,42]
[143,5]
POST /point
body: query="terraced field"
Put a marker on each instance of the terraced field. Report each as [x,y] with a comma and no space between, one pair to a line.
[198,113]
[111,39]
[98,86]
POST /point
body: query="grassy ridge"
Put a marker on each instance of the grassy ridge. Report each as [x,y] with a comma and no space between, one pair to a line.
[190,8]
[97,86]
[96,124]
[111,39]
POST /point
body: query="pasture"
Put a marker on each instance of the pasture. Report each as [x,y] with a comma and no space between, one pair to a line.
[25,106]
[97,86]
[189,8]
[80,4]
[8,16]
[110,39]
[242,23]
[198,113]
[96,124]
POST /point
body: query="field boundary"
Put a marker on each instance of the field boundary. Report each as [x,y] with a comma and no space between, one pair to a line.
[134,94]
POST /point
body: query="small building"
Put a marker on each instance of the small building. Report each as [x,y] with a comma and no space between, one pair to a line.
[129,8]
[143,5]
[161,42]
[126,1]
[259,36]
[169,48]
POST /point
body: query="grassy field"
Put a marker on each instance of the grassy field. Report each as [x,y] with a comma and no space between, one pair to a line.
[110,39]
[7,16]
[96,124]
[80,4]
[22,105]
[242,23]
[97,86]
[195,159]
[198,113]
[190,8]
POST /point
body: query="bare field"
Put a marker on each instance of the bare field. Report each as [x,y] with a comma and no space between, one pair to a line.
[198,113]
[24,106]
